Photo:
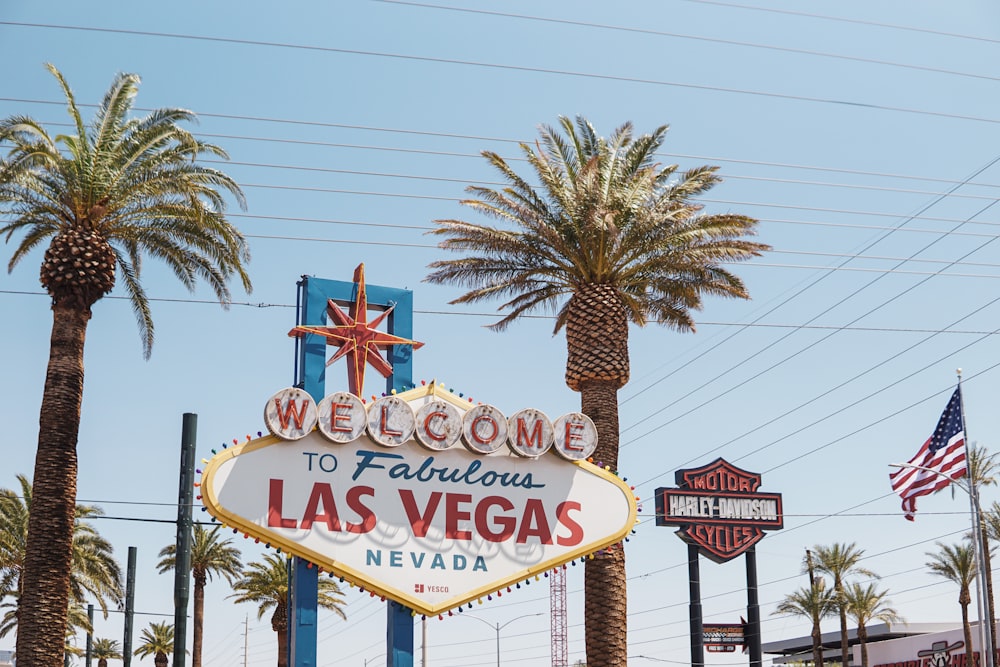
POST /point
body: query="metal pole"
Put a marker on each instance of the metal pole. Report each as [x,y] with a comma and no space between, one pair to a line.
[752,640]
[423,641]
[694,585]
[129,608]
[988,655]
[182,552]
[498,645]
[90,635]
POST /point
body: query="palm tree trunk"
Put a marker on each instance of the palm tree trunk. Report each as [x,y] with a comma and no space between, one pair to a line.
[970,654]
[605,601]
[45,580]
[199,618]
[279,623]
[842,608]
[160,659]
[817,637]
[988,565]
[863,641]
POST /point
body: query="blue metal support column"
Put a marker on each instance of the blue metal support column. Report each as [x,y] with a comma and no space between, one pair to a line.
[313,296]
[399,636]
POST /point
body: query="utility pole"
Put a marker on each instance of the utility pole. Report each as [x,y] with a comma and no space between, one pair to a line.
[246,634]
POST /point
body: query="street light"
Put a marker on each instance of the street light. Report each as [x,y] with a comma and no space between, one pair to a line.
[498,627]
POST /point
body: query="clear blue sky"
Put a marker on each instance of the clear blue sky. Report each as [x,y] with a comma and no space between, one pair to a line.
[864,137]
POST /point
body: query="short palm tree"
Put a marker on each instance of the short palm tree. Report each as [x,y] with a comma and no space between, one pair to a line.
[840,561]
[266,585]
[103,198]
[957,563]
[158,641]
[94,571]
[608,237]
[866,604]
[104,650]
[815,603]
[210,556]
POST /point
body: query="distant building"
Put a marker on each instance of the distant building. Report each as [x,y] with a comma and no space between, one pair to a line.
[6,658]
[886,644]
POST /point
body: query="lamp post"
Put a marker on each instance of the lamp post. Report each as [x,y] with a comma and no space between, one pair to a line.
[498,626]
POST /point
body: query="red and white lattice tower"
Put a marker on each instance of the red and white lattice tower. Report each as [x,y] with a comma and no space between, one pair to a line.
[557,609]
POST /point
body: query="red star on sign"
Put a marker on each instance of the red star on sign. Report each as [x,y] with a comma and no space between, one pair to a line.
[358,340]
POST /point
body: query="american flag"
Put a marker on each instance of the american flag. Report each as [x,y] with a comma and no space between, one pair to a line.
[943,453]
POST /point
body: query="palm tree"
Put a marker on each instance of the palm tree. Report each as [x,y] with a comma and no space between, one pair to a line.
[157,641]
[957,563]
[94,570]
[866,604]
[815,603]
[983,468]
[104,650]
[609,238]
[841,561]
[266,585]
[104,197]
[209,556]
[991,532]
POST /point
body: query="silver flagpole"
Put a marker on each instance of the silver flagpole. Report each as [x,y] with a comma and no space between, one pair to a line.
[988,656]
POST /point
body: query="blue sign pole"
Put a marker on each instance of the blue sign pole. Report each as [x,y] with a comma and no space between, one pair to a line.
[313,296]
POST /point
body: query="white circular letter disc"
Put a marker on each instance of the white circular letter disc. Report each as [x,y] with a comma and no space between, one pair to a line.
[529,433]
[390,421]
[342,417]
[439,425]
[290,414]
[484,429]
[575,436]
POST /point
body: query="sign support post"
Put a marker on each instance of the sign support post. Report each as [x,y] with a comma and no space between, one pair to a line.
[752,635]
[694,585]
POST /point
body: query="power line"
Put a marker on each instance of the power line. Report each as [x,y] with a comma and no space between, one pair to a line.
[699,38]
[516,68]
[708,158]
[841,19]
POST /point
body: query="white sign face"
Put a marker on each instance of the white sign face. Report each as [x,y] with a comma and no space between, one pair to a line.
[430,529]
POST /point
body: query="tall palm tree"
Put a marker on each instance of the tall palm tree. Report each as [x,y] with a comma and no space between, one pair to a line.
[982,470]
[814,602]
[957,563]
[104,197]
[157,641]
[210,556]
[866,604]
[609,237]
[840,561]
[991,533]
[266,585]
[104,650]
[94,571]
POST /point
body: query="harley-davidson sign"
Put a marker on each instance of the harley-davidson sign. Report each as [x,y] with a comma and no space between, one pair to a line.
[385,495]
[719,509]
